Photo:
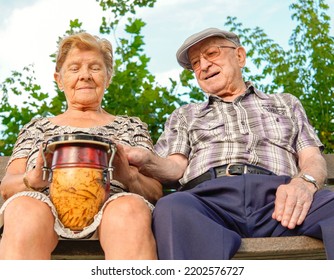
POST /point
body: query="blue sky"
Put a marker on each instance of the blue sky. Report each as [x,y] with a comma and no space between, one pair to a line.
[29,29]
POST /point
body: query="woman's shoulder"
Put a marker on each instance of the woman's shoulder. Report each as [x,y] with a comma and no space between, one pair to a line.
[36,122]
[130,120]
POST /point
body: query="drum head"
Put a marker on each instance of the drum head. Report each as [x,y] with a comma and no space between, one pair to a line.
[77,138]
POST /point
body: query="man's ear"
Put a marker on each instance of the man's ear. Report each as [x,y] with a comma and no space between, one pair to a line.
[241,53]
[57,78]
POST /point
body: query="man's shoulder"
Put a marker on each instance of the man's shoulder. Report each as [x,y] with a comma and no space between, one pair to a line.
[284,96]
[192,107]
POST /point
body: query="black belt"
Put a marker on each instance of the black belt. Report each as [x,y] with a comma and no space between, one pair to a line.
[231,169]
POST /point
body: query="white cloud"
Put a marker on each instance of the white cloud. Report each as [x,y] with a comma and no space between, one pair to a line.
[30,34]
[163,78]
[29,29]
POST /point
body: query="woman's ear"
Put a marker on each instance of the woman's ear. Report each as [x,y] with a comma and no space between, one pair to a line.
[57,78]
[109,79]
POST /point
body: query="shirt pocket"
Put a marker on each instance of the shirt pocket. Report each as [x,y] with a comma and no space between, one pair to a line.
[279,129]
[203,133]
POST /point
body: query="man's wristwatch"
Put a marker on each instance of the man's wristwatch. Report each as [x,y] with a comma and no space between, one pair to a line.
[310,179]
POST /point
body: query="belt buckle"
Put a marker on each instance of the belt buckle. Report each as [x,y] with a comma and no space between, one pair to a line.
[235,164]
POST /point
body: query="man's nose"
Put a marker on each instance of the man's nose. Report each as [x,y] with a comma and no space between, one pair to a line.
[204,63]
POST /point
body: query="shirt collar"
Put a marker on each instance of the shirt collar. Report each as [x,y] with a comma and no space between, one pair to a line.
[249,90]
[252,89]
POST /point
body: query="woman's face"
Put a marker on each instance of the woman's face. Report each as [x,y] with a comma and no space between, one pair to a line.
[83,78]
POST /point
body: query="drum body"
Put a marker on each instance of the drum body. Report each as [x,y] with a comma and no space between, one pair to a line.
[80,181]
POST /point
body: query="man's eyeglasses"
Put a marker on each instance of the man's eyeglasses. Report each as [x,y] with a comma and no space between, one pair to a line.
[209,54]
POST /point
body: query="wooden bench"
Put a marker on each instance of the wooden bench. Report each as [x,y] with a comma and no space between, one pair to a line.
[294,247]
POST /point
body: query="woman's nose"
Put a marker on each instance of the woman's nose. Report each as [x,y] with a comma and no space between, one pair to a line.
[85,74]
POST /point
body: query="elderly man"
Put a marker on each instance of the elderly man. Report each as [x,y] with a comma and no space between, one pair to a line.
[249,163]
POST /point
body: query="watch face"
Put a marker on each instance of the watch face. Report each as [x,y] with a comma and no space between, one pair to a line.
[310,178]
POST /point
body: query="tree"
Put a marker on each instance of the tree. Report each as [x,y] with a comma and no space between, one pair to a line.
[306,70]
[22,85]
[133,90]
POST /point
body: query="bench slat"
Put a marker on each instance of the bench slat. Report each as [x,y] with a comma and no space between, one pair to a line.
[285,248]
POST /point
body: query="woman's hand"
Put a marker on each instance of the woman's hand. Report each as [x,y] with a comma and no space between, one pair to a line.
[33,179]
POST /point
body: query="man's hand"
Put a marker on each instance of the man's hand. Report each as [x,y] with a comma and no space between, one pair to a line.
[169,169]
[137,156]
[131,177]
[293,202]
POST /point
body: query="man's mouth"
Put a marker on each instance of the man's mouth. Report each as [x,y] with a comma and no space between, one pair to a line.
[211,75]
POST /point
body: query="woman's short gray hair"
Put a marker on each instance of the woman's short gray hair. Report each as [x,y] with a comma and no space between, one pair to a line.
[85,41]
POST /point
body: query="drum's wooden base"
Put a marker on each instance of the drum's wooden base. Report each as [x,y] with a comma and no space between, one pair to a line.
[78,194]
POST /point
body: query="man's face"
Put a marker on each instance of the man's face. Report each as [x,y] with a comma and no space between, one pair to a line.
[217,65]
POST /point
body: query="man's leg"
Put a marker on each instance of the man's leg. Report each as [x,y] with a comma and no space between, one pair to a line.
[186,228]
[319,222]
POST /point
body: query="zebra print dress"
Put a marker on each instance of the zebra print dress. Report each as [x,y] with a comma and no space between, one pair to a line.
[125,130]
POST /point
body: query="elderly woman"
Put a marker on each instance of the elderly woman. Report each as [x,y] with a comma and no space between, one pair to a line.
[29,221]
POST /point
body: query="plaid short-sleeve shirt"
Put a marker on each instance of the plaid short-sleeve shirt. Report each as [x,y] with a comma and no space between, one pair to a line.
[266,130]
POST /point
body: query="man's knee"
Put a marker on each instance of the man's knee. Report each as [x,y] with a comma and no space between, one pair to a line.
[174,207]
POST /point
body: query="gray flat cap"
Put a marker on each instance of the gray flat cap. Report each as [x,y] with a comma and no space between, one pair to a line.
[182,53]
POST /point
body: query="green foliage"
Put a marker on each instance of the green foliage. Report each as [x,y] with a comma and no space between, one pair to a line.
[33,102]
[187,81]
[133,90]
[14,117]
[120,8]
[306,69]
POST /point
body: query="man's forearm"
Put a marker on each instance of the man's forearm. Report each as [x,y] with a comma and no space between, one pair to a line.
[169,169]
[165,170]
[316,167]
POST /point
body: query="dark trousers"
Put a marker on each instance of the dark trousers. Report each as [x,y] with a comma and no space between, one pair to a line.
[208,221]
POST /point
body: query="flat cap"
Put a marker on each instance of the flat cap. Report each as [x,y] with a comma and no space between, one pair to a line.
[182,53]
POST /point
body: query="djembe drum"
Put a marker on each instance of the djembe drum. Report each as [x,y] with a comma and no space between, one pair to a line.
[80,175]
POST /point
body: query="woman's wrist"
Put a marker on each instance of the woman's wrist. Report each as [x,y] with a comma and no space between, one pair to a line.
[27,184]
